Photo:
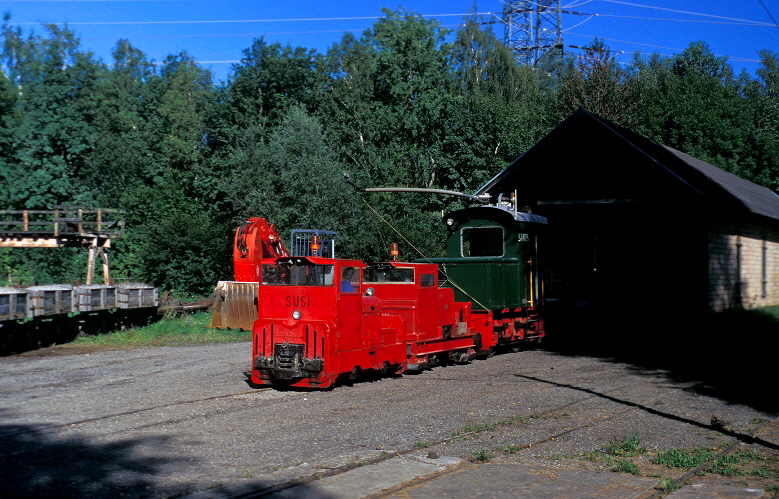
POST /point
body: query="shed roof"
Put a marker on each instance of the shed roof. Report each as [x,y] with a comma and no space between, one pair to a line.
[584,138]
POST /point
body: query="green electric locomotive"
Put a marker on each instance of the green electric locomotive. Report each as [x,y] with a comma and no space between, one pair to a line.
[492,261]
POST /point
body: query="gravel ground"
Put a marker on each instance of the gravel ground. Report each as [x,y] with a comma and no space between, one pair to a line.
[162,422]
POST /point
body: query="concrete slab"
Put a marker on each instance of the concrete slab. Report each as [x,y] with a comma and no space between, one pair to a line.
[518,481]
[353,484]
[700,491]
[367,480]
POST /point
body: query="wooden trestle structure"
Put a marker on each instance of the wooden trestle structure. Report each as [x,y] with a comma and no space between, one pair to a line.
[63,227]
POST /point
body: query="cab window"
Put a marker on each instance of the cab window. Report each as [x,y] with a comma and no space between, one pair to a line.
[380,275]
[296,274]
[350,280]
[481,241]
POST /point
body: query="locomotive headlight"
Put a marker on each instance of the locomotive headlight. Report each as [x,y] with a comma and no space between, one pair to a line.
[369,292]
[450,221]
[296,314]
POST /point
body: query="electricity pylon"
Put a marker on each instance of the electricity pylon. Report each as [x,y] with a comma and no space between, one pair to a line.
[532,28]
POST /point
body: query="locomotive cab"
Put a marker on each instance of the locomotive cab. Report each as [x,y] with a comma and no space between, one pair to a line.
[316,322]
[492,261]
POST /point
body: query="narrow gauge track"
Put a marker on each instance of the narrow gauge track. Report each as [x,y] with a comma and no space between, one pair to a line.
[586,420]
[127,413]
[588,423]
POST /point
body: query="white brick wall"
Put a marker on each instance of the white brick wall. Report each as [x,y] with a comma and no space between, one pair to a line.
[743,268]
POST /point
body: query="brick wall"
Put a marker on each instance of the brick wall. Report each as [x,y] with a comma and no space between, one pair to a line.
[743,267]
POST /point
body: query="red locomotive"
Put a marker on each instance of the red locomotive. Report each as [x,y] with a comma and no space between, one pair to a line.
[325,319]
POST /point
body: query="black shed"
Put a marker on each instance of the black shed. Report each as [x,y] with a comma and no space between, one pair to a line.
[635,226]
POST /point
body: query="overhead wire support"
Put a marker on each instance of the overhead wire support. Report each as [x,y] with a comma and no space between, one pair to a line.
[533,28]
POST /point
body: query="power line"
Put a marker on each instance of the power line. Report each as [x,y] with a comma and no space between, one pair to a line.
[234,21]
[738,59]
[769,13]
[676,10]
[734,23]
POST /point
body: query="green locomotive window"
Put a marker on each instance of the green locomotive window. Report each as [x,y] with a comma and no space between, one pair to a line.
[285,274]
[482,241]
[392,274]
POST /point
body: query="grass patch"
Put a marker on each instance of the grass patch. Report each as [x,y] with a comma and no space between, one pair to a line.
[685,458]
[625,466]
[667,485]
[629,446]
[483,455]
[421,445]
[477,428]
[173,329]
[731,465]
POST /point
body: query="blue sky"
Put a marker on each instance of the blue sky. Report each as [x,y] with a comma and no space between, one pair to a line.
[217,32]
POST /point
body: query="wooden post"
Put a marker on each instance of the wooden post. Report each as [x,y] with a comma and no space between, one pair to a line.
[106,271]
[80,222]
[91,264]
[26,220]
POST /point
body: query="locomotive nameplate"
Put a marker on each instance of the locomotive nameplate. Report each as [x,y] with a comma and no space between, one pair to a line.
[298,301]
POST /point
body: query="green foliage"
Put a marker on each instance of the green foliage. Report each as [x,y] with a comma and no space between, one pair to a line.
[173,329]
[667,485]
[483,455]
[625,466]
[685,458]
[628,447]
[396,106]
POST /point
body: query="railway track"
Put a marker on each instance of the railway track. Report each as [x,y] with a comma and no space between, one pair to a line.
[71,424]
[534,399]
[741,438]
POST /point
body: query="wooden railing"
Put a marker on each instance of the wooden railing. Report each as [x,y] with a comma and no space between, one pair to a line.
[63,221]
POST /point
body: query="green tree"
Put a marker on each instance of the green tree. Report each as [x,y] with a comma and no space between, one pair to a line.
[56,98]
[122,142]
[500,108]
[597,83]
[295,180]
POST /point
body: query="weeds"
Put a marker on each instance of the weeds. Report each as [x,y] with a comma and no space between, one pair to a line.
[511,449]
[667,485]
[683,458]
[628,447]
[477,428]
[483,455]
[421,445]
[625,466]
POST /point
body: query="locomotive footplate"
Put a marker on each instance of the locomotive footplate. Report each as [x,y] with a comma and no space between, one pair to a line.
[288,363]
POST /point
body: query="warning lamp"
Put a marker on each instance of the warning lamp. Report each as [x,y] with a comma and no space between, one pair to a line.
[394,251]
[314,244]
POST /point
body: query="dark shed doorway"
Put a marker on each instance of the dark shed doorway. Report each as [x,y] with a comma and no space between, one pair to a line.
[626,243]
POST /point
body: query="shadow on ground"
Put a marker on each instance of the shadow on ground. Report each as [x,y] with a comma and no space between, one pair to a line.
[731,354]
[38,463]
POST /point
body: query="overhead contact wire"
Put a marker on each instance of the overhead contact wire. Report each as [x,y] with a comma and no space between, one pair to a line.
[421,254]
